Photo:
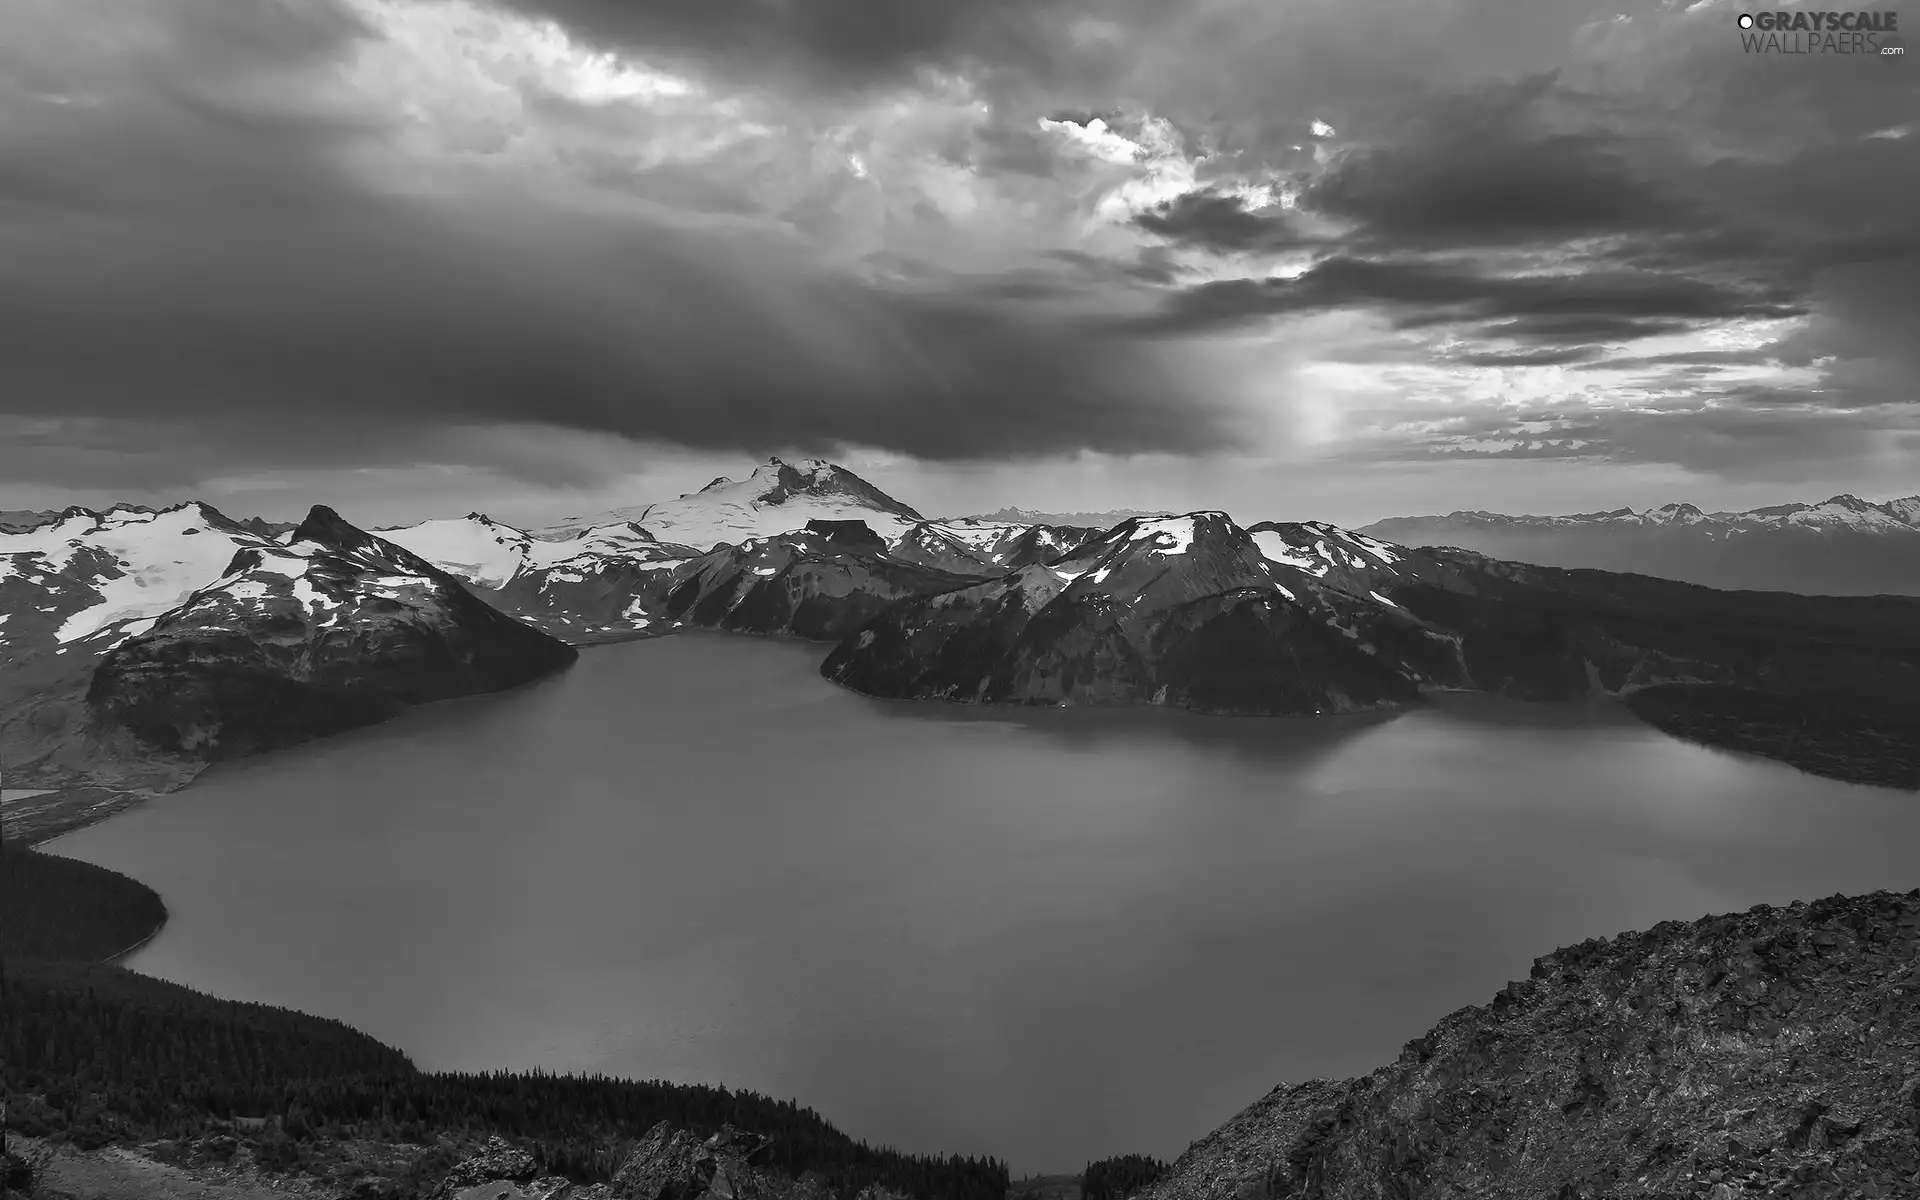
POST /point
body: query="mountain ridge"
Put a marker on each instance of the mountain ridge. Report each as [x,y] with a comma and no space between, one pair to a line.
[777,497]
[1839,546]
[1900,513]
[1105,519]
[1193,610]
[1769,1052]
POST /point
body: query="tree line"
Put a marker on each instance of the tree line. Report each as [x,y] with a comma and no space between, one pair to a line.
[1118,1178]
[97,1054]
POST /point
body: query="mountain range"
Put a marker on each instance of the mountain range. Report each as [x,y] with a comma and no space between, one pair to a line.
[1840,546]
[1100,520]
[139,645]
[133,642]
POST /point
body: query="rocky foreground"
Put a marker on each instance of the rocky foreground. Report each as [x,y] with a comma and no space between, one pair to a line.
[667,1164]
[1769,1053]
[1774,1052]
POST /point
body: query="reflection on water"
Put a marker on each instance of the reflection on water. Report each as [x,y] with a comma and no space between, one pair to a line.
[1051,935]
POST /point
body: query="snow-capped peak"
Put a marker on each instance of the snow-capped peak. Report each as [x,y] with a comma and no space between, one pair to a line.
[1673,514]
[1162,536]
[1319,549]
[778,497]
[91,571]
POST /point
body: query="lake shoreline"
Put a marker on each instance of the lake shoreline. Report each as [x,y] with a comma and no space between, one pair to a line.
[57,812]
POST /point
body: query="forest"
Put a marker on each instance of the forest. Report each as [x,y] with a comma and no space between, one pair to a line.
[96,1054]
[1118,1178]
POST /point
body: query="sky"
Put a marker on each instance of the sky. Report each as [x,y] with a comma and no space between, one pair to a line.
[1332,259]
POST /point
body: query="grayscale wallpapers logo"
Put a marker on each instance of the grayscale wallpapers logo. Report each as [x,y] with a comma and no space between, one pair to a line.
[1871,34]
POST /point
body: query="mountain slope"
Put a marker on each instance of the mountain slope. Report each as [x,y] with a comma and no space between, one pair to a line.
[1824,683]
[602,583]
[325,630]
[89,577]
[971,545]
[819,584]
[1840,546]
[778,497]
[1771,1052]
[1308,618]
[1186,611]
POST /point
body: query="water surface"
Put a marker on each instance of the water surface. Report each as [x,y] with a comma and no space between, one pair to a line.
[1049,935]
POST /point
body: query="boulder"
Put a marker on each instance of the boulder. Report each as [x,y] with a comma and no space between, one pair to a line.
[498,1162]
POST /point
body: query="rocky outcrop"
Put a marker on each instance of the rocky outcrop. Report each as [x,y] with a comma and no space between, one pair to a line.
[1774,1052]
[854,535]
[803,585]
[1186,611]
[497,1162]
[668,1163]
[331,629]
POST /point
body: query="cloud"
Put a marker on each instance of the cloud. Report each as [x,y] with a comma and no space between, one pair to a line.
[1558,356]
[951,229]
[198,220]
[1577,303]
[838,45]
[1486,167]
[1221,222]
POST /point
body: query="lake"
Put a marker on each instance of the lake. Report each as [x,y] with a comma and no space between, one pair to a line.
[1050,935]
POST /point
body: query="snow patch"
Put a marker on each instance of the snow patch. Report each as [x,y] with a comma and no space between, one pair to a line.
[1277,549]
[1167,535]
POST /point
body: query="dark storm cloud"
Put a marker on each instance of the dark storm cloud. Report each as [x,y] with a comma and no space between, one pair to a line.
[1213,220]
[1485,168]
[1560,356]
[829,44]
[1578,327]
[209,259]
[1574,303]
[1689,358]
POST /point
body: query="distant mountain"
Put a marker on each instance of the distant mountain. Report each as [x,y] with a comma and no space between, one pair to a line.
[1196,612]
[777,498]
[1096,520]
[1187,611]
[820,583]
[1652,1064]
[79,583]
[611,581]
[19,520]
[1841,546]
[1193,611]
[136,685]
[602,583]
[325,630]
